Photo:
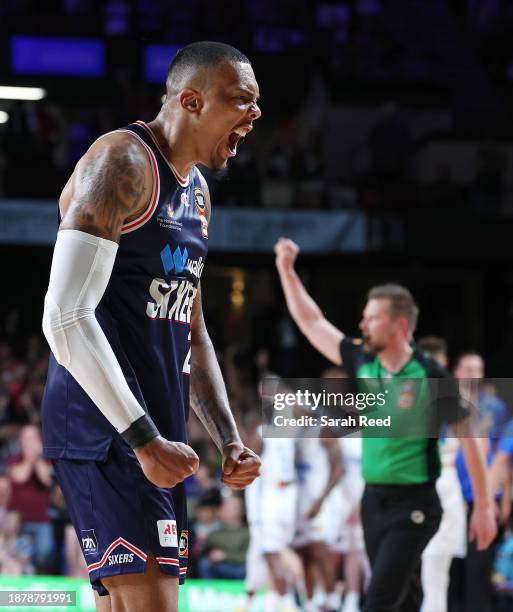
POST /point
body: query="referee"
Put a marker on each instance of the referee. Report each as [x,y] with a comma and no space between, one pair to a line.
[400,507]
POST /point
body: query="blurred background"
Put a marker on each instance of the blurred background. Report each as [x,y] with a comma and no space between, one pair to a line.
[385,149]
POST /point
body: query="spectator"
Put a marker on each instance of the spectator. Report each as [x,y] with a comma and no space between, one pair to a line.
[5,496]
[207,516]
[15,548]
[469,369]
[224,552]
[31,479]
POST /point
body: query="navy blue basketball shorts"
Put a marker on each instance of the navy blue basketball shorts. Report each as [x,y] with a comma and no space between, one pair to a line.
[120,516]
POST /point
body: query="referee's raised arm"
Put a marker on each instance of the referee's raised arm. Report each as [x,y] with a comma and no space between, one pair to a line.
[322,334]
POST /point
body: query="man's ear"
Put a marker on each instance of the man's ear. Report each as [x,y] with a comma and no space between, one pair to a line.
[190,100]
[405,325]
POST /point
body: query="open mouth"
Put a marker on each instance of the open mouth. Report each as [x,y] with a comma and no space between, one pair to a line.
[235,139]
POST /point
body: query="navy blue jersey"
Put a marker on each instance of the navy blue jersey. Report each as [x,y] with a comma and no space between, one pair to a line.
[145,314]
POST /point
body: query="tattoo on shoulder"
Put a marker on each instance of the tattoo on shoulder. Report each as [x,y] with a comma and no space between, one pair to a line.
[107,190]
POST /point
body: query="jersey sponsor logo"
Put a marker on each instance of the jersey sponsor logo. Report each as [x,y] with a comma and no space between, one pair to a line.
[167,533]
[195,266]
[89,541]
[178,261]
[124,558]
[173,261]
[166,218]
[183,548]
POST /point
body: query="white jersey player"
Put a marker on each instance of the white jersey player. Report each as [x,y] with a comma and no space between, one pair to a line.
[450,539]
[271,512]
[350,540]
[319,468]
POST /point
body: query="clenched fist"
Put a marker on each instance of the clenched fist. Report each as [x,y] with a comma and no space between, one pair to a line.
[240,466]
[286,253]
[166,463]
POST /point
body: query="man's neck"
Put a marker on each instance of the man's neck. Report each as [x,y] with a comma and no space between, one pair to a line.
[175,143]
[394,358]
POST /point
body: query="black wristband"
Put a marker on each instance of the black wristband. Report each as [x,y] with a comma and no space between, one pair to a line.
[140,432]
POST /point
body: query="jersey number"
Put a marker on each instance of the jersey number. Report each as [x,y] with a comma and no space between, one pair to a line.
[187,363]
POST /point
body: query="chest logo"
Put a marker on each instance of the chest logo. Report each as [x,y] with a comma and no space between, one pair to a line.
[407,396]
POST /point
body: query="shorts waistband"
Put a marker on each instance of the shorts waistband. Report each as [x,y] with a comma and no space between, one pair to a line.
[401,489]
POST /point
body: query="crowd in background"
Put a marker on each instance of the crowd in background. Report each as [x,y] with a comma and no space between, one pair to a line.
[352,52]
[36,535]
[35,532]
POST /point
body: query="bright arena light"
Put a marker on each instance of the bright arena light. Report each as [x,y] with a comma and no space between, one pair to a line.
[21,93]
[4,117]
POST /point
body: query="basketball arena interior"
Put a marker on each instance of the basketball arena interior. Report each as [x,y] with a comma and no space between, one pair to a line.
[384,151]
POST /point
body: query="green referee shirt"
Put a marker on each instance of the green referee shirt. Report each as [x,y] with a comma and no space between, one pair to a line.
[409,455]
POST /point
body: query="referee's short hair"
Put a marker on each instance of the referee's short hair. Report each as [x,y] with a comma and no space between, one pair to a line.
[401,301]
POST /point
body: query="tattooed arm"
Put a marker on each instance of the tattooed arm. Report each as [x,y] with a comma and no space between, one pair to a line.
[209,401]
[110,185]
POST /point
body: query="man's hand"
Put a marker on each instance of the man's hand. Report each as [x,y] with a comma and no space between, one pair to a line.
[483,526]
[166,463]
[240,466]
[286,253]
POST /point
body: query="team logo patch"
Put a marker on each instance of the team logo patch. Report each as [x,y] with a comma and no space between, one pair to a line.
[199,199]
[184,199]
[417,517]
[407,395]
[167,533]
[183,549]
[89,541]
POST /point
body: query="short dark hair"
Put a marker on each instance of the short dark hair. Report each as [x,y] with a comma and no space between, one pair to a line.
[432,345]
[401,300]
[201,54]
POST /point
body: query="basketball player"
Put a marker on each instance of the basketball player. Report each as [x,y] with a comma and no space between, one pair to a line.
[123,318]
[400,508]
[271,513]
[320,468]
[449,540]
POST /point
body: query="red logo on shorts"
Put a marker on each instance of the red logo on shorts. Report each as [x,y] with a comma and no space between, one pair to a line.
[170,529]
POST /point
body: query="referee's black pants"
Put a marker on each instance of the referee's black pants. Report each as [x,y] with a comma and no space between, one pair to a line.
[398,522]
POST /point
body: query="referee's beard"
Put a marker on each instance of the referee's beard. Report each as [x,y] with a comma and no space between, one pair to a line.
[372,347]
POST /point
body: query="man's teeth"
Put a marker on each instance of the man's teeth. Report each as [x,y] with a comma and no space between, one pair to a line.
[240,132]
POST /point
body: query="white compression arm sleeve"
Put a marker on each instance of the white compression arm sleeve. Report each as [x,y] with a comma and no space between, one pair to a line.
[81,268]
